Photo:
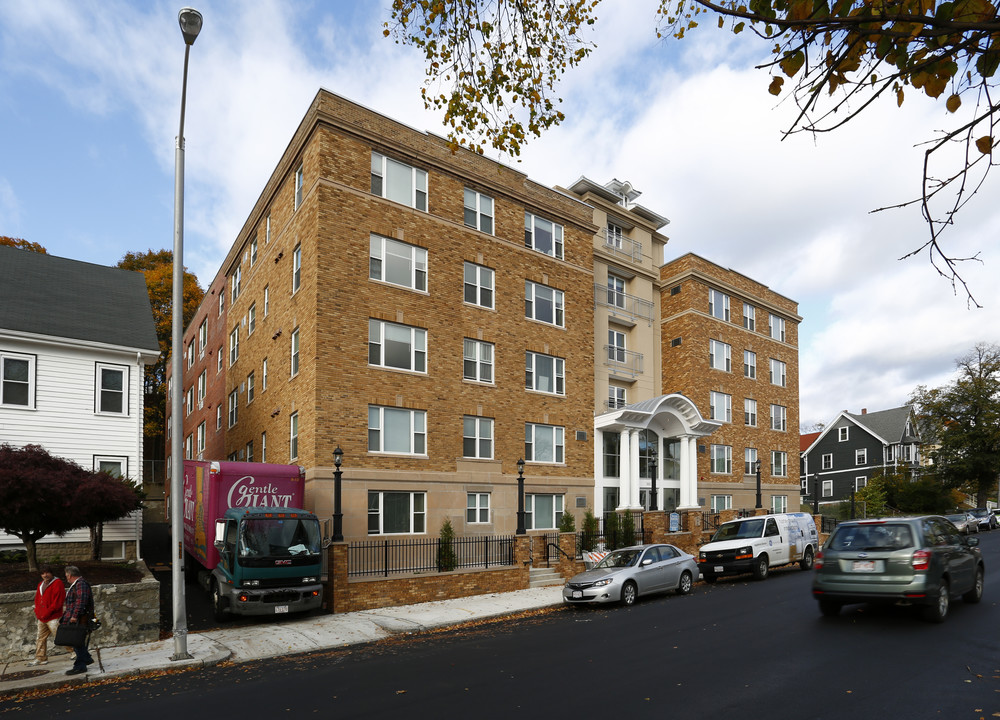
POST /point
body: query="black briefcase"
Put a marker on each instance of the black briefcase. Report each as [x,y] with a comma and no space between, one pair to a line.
[71,635]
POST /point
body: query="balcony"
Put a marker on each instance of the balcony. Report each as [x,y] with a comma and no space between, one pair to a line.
[622,362]
[622,303]
[622,246]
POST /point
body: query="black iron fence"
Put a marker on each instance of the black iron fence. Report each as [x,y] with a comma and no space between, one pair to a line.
[711,519]
[614,530]
[409,555]
[827,523]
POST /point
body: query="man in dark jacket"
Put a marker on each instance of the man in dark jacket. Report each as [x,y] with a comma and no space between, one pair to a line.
[48,608]
[79,608]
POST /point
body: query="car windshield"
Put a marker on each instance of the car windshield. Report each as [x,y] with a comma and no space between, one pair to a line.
[980,513]
[619,559]
[740,530]
[958,518]
[871,537]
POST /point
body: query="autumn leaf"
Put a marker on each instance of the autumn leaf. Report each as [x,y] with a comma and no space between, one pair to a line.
[775,87]
[954,103]
[985,144]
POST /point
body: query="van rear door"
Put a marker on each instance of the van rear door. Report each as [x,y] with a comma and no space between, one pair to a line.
[776,536]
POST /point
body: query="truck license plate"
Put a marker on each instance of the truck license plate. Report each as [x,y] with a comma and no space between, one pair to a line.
[718,568]
[280,608]
[864,566]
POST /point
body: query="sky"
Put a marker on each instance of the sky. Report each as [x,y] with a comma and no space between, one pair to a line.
[90,107]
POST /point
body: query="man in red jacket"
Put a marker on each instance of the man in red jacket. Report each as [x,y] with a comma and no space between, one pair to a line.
[49,599]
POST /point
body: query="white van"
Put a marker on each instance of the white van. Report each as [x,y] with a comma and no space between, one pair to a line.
[756,544]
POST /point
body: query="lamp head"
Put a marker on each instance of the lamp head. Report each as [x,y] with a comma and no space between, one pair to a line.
[520,465]
[757,466]
[190,21]
[337,455]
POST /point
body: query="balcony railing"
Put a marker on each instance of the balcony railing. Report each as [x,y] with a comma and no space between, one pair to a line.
[623,246]
[623,303]
[622,360]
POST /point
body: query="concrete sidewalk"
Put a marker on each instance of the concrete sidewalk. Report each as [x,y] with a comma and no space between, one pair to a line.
[258,642]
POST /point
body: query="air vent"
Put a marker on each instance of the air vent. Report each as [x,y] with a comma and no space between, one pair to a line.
[675,290]
[675,342]
[581,435]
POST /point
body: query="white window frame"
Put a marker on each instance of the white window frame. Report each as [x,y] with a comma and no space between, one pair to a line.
[749,412]
[236,284]
[861,456]
[722,502]
[531,226]
[123,393]
[416,433]
[843,433]
[479,282]
[778,373]
[477,508]
[779,418]
[293,436]
[477,357]
[219,359]
[189,447]
[530,511]
[720,356]
[250,387]
[402,255]
[721,459]
[415,343]
[190,354]
[614,235]
[616,291]
[189,401]
[263,445]
[616,346]
[201,438]
[828,488]
[234,346]
[120,461]
[776,327]
[557,437]
[750,461]
[267,229]
[251,319]
[253,251]
[234,408]
[720,406]
[263,375]
[381,166]
[718,304]
[267,299]
[617,397]
[299,185]
[532,291]
[779,503]
[249,451]
[296,269]
[750,364]
[7,383]
[294,353]
[749,316]
[859,482]
[477,436]
[535,364]
[478,211]
[417,511]
[218,417]
[826,461]
[202,338]
[202,388]
[779,463]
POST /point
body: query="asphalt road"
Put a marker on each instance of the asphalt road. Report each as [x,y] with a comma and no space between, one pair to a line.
[735,649]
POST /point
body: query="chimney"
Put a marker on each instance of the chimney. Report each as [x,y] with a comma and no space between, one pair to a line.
[864,411]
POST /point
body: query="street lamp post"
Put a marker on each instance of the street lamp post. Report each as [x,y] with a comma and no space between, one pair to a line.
[652,470]
[190,21]
[520,497]
[338,515]
[757,468]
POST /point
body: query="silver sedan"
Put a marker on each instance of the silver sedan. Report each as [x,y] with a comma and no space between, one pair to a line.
[625,574]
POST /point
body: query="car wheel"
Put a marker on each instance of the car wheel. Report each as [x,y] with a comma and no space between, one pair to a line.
[686,583]
[829,608]
[629,594]
[806,562]
[709,578]
[760,568]
[937,612]
[218,604]
[975,593]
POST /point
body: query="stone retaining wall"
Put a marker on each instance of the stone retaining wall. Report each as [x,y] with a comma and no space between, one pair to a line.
[130,614]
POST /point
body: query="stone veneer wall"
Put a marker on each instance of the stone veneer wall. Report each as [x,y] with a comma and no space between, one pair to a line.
[130,614]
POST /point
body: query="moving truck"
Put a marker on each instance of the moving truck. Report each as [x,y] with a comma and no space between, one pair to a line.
[247,538]
[756,544]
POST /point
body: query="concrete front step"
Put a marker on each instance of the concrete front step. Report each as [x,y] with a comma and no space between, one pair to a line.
[543,577]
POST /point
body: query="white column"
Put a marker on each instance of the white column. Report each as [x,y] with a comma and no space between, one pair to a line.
[624,465]
[633,498]
[598,472]
[689,473]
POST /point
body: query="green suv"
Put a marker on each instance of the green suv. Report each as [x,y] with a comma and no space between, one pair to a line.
[911,561]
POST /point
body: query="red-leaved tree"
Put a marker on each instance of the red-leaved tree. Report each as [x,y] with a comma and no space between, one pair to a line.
[100,498]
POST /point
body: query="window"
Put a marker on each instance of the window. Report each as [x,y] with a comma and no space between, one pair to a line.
[749,316]
[252,319]
[543,303]
[477,361]
[189,402]
[779,503]
[222,301]
[114,466]
[750,364]
[477,508]
[218,417]
[397,263]
[616,291]
[253,251]
[218,359]
[234,407]
[201,439]
[478,285]
[296,269]
[722,459]
[827,461]
[477,437]
[778,373]
[860,457]
[293,436]
[749,461]
[860,482]
[250,380]
[750,412]
[779,463]
[616,397]
[779,415]
[263,444]
[542,512]
[397,346]
[295,352]
[263,375]
[299,181]
[720,407]
[190,354]
[236,283]
[720,356]
[234,346]
[828,488]
[17,380]
[249,451]
[616,346]
[776,326]
[202,388]
[543,236]
[543,443]
[396,513]
[614,236]
[842,434]
[479,211]
[397,430]
[399,182]
[544,373]
[612,454]
[112,384]
[722,502]
[718,305]
[267,229]
[188,448]
[202,337]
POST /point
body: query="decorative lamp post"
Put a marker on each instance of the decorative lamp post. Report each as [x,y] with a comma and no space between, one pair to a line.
[815,493]
[338,515]
[757,467]
[652,470]
[190,21]
[520,497]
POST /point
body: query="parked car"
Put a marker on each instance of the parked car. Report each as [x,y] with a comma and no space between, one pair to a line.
[911,561]
[964,522]
[986,519]
[625,574]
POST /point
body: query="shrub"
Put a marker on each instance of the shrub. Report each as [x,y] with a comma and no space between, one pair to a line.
[446,548]
[567,523]
[591,529]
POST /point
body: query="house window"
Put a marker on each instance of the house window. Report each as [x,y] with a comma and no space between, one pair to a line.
[234,346]
[544,373]
[776,326]
[542,512]
[189,402]
[202,337]
[779,463]
[543,303]
[616,346]
[190,354]
[299,181]
[397,263]
[842,434]
[827,461]
[543,235]
[479,283]
[252,319]
[750,412]
[749,461]
[778,373]
[828,488]
[860,457]
[201,439]
[612,453]
[477,508]
[189,448]
[114,466]
[249,451]
[218,359]
[720,356]
[750,364]
[296,269]
[779,503]
[860,482]
[267,229]
[718,305]
[397,430]
[722,502]
[616,397]
[616,291]
[202,388]
[479,211]
[614,236]
[722,459]
[112,384]
[399,182]
[749,316]
[293,436]
[222,301]
[253,251]
[234,407]
[250,380]
[720,407]
[236,283]
[779,415]
[477,362]
[397,346]
[263,375]
[477,437]
[17,380]
[543,443]
[396,513]
[263,447]
[267,299]
[218,417]
[295,352]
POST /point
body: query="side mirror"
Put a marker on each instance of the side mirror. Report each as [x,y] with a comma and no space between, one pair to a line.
[972,541]
[647,561]
[220,534]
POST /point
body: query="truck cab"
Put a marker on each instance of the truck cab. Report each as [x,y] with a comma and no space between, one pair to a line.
[756,544]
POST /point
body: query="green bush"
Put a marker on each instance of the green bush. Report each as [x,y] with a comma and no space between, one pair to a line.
[446,548]
[567,523]
[591,528]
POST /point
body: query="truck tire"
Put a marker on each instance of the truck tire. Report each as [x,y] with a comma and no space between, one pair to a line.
[806,563]
[761,568]
[219,604]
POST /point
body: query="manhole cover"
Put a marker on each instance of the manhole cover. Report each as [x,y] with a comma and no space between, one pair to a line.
[23,675]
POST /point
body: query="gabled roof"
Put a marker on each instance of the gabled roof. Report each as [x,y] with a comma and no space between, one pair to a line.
[887,425]
[57,297]
[806,440]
